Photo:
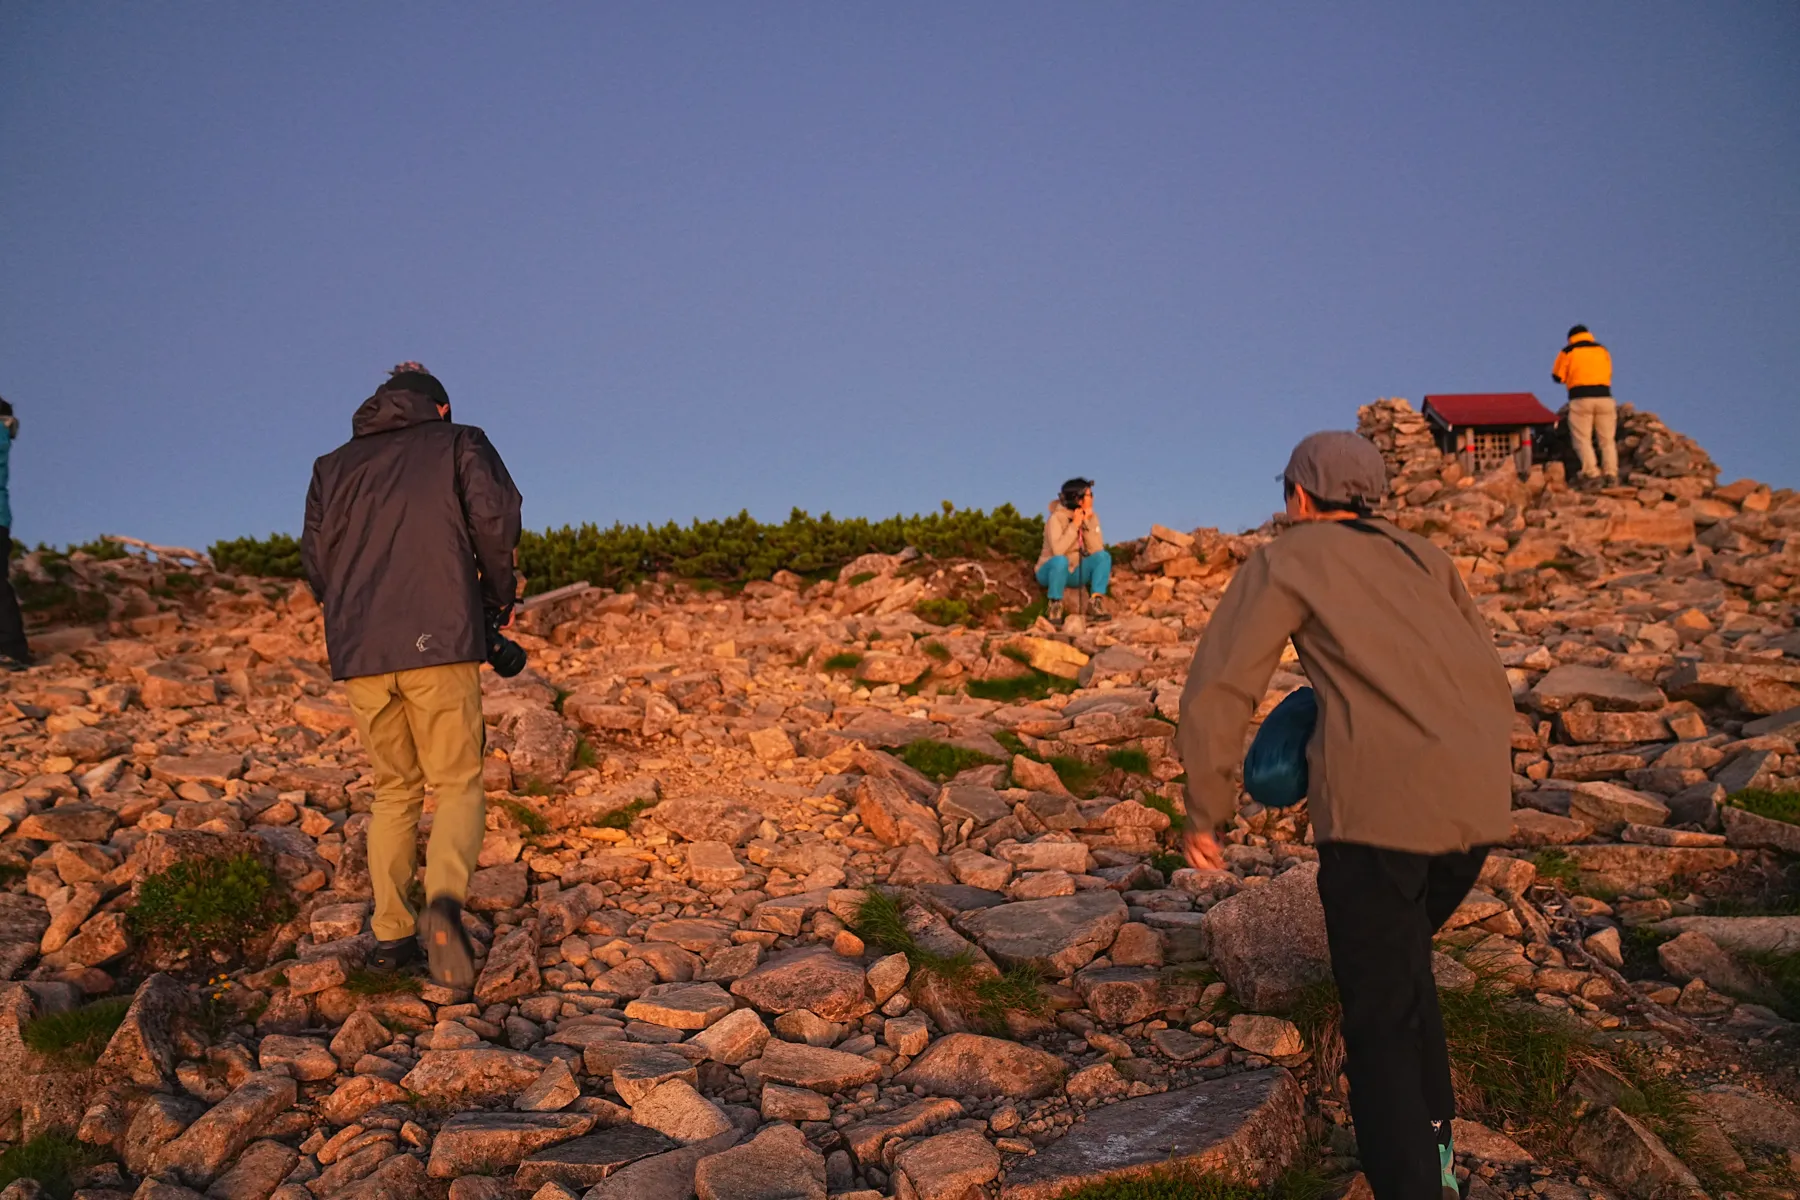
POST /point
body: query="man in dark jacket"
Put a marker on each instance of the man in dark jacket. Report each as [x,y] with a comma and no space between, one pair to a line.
[15,654]
[410,531]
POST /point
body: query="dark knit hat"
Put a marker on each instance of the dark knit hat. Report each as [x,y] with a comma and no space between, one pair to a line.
[412,376]
[1575,329]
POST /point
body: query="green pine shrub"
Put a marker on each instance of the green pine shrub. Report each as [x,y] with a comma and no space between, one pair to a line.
[276,556]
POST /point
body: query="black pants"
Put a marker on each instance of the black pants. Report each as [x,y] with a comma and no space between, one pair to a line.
[12,625]
[1381,909]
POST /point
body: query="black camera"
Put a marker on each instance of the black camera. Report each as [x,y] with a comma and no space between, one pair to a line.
[506,656]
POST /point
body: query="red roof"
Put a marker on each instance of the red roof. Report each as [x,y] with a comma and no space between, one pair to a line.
[1489,408]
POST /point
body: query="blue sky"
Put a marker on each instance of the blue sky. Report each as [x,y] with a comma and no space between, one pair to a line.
[684,259]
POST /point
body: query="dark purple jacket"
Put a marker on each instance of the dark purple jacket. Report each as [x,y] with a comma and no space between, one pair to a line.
[410,530]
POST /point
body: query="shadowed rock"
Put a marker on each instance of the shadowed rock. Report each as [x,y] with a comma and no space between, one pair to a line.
[1247,1126]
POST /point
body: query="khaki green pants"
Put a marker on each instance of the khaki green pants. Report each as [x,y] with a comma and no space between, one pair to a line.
[421,726]
[1594,418]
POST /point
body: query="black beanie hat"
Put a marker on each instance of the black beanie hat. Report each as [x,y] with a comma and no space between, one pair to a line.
[1575,329]
[413,377]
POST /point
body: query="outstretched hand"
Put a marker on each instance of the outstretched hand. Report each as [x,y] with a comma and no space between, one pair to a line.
[1201,850]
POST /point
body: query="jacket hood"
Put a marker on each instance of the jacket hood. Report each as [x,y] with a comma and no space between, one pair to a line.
[389,410]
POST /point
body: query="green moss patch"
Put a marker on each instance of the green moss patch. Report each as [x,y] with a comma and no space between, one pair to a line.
[370,982]
[844,660]
[1776,806]
[208,904]
[523,815]
[1130,760]
[881,923]
[940,760]
[939,610]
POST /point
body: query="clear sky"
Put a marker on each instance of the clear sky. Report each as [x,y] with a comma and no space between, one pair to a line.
[682,259]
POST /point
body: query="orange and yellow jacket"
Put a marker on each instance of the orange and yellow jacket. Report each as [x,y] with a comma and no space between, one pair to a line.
[1584,367]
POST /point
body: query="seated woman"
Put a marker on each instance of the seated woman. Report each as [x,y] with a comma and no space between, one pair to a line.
[1074,551]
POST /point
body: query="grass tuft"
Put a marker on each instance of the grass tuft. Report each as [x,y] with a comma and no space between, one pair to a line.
[1018,689]
[586,757]
[881,922]
[1510,1064]
[1783,974]
[523,815]
[370,982]
[860,578]
[53,1159]
[1168,864]
[1777,806]
[1020,989]
[942,611]
[78,1037]
[1167,807]
[844,660]
[1305,1180]
[621,818]
[1555,866]
[209,904]
[1078,776]
[1026,617]
[936,651]
[940,760]
[1130,760]
[1012,742]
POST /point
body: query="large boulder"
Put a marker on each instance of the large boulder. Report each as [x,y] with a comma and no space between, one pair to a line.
[1268,943]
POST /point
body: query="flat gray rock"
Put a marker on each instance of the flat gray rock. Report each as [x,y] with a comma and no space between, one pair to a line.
[1611,691]
[1063,933]
[1250,1125]
[584,1161]
[1742,935]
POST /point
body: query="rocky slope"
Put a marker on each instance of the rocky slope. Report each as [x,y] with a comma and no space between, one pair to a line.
[686,989]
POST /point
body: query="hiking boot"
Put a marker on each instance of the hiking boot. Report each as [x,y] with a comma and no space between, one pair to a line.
[1096,609]
[1053,612]
[1611,481]
[446,944]
[15,662]
[396,955]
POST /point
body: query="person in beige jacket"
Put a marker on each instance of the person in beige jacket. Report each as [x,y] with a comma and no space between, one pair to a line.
[1409,773]
[1074,551]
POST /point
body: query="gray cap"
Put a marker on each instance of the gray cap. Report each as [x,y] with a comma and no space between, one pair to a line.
[1338,467]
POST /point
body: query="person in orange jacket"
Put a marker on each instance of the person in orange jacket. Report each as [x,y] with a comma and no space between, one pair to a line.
[1585,368]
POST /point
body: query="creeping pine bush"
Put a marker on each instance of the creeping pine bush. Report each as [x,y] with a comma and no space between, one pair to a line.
[276,556]
[733,550]
[209,904]
[742,548]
